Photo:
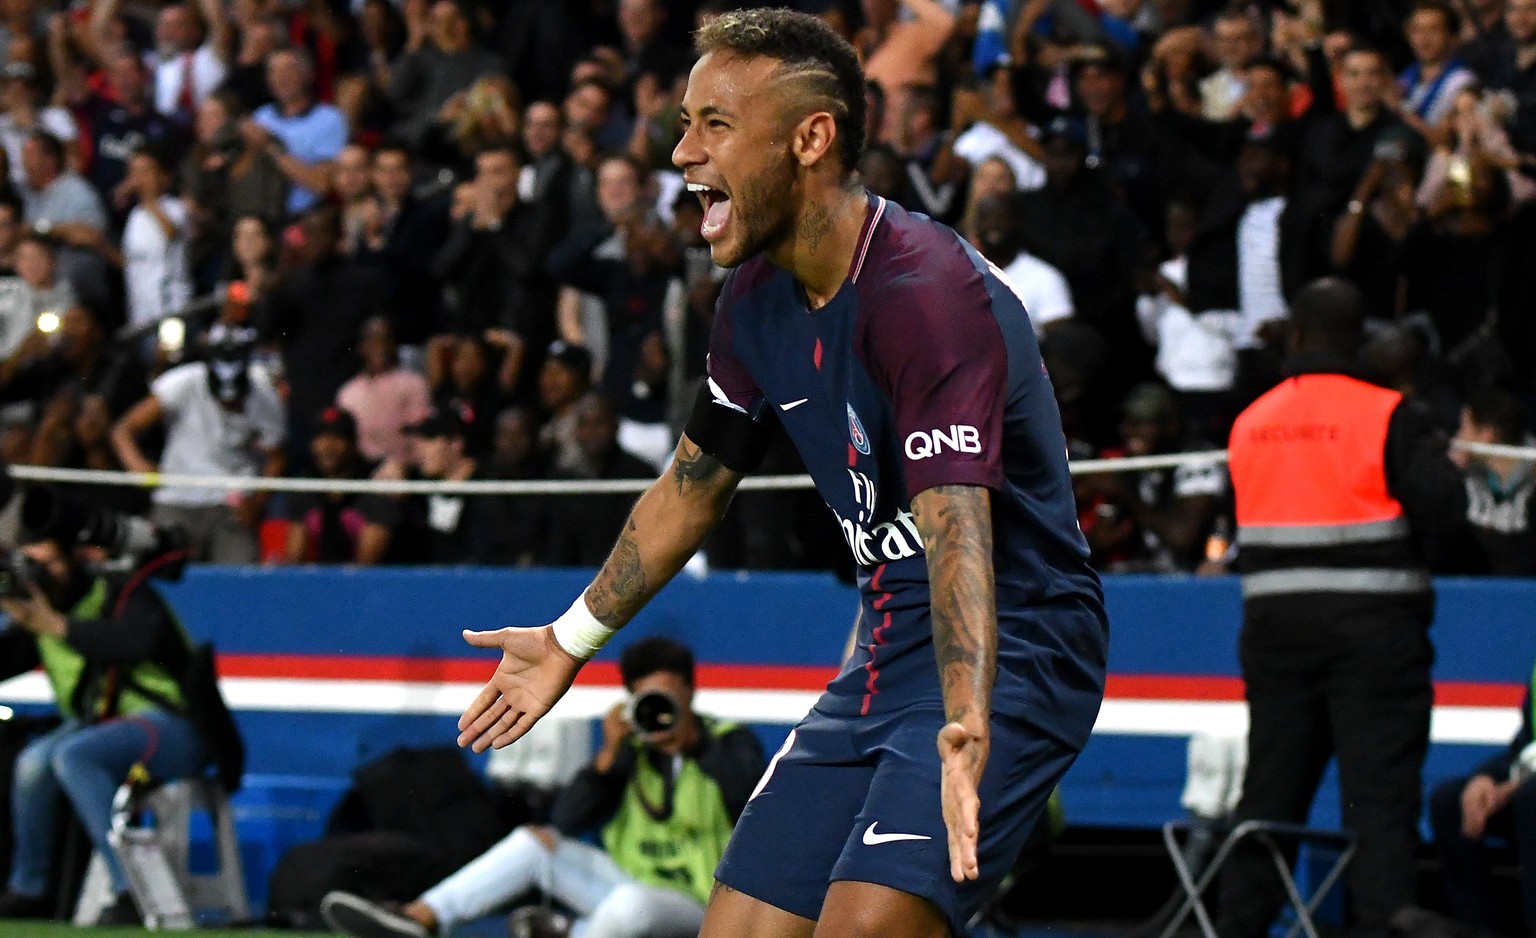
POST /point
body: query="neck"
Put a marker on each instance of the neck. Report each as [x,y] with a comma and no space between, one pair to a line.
[83,360]
[1362,115]
[819,253]
[1504,467]
[294,106]
[1428,70]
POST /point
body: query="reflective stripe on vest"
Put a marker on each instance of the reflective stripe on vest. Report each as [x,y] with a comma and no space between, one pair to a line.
[66,667]
[1322,535]
[1335,580]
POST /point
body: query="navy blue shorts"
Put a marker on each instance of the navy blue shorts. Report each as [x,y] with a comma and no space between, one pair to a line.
[857,798]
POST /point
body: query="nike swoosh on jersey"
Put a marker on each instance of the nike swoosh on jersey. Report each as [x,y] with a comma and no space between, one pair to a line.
[793,404]
[873,839]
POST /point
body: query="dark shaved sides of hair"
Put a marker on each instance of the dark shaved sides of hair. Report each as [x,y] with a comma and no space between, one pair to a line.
[809,53]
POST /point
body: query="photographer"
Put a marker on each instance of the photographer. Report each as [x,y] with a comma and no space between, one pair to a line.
[665,790]
[114,653]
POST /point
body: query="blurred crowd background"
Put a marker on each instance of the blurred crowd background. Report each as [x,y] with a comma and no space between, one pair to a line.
[443,240]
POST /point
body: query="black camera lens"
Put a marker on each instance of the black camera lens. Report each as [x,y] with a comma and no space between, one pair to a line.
[653,712]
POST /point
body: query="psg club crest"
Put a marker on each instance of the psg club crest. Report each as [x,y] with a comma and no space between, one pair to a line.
[856,432]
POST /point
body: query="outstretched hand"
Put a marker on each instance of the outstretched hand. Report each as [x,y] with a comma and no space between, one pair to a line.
[963,755]
[534,673]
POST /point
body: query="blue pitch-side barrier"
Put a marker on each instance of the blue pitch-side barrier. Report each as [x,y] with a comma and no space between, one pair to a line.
[328,668]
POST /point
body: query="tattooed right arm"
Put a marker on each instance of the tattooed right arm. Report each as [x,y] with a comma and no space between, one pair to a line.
[664,529]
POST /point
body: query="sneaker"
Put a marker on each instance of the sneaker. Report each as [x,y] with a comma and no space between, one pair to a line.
[356,916]
[21,905]
[124,911]
[535,921]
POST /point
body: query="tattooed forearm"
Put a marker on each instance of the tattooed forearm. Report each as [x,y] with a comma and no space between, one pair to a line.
[955,522]
[620,588]
[692,465]
[665,527]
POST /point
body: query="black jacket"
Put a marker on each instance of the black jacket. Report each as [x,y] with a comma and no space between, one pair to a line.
[143,631]
[1213,254]
[734,760]
[1497,766]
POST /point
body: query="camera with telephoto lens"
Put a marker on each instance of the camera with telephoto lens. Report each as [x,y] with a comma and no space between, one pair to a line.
[18,574]
[653,712]
[48,513]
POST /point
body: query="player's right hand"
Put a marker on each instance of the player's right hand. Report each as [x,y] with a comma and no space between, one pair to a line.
[534,673]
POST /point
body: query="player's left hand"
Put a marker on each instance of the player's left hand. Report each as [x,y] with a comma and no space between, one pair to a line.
[963,755]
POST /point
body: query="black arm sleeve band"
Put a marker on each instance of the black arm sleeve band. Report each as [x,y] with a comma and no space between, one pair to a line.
[729,435]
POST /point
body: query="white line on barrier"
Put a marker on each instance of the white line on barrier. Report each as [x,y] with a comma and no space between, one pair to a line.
[1119,716]
[583,486]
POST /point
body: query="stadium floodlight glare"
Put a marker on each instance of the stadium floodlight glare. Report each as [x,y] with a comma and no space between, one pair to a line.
[173,333]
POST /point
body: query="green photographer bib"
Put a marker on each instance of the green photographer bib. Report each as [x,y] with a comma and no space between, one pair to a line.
[681,850]
[65,667]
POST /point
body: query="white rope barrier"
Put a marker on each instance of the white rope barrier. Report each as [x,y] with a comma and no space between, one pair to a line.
[587,486]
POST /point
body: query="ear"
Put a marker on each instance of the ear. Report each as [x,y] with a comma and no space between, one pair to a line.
[814,139]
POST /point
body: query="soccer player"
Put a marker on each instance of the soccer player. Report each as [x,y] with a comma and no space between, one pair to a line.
[907,374]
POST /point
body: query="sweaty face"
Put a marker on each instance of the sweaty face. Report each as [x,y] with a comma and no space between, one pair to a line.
[735,154]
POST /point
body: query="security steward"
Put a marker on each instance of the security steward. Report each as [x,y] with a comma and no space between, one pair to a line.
[1337,483]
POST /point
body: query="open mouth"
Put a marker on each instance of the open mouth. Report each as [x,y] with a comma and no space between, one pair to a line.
[717,209]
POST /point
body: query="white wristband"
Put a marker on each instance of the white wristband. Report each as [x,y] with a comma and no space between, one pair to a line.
[579,632]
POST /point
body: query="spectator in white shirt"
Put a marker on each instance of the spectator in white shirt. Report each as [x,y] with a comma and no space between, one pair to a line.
[191,56]
[989,125]
[1236,42]
[20,93]
[36,289]
[154,242]
[1195,353]
[222,417]
[1430,85]
[1041,287]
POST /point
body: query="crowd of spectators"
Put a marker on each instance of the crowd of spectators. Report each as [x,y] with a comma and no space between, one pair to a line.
[443,239]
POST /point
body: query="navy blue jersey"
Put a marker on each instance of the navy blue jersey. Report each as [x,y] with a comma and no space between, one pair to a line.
[923,370]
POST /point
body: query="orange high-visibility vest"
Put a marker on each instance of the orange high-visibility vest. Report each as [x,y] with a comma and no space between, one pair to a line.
[1308,465]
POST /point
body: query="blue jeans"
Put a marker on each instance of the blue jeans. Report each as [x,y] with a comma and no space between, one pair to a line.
[88,764]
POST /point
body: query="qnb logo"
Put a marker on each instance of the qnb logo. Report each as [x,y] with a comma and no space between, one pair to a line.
[959,438]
